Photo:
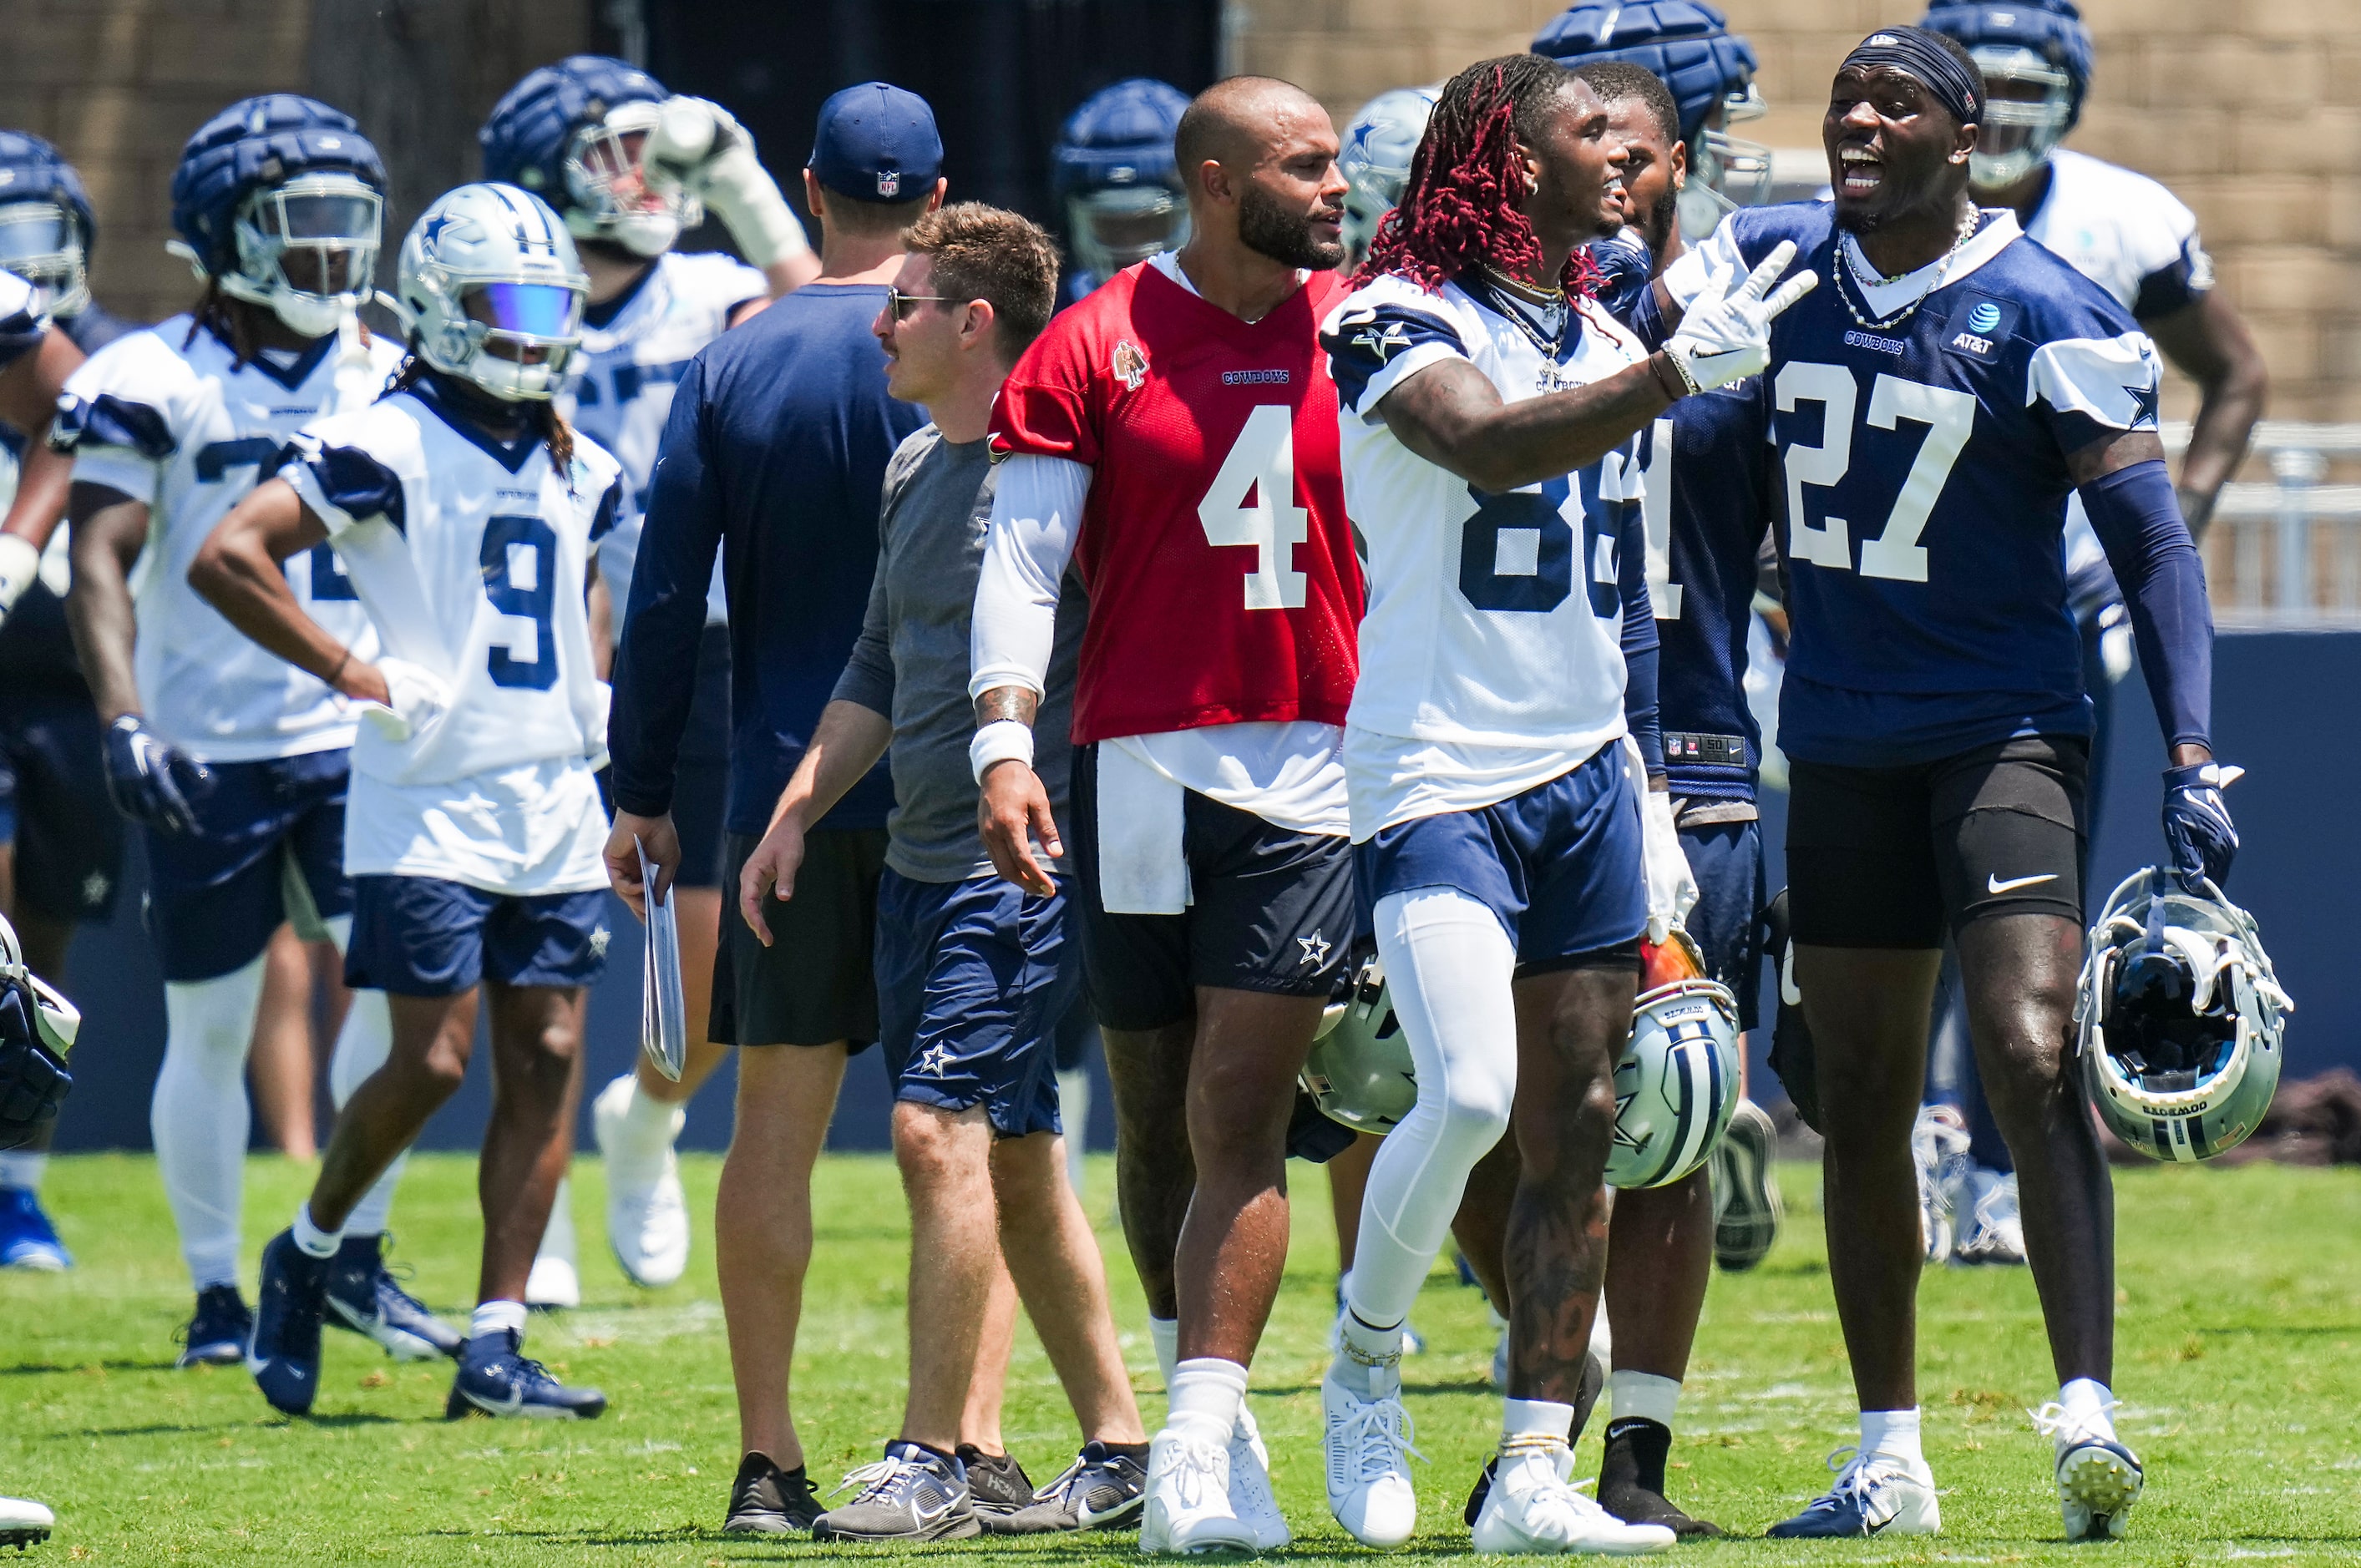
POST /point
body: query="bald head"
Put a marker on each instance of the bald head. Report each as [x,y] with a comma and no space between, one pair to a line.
[1238,122]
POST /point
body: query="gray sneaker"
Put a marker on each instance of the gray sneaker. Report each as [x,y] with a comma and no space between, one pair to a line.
[910,1495]
[1101,1489]
[1746,1207]
[996,1483]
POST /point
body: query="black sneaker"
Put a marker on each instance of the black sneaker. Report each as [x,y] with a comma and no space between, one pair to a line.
[913,1494]
[996,1484]
[364,1298]
[1103,1488]
[1631,1479]
[496,1377]
[768,1500]
[1747,1212]
[285,1354]
[217,1335]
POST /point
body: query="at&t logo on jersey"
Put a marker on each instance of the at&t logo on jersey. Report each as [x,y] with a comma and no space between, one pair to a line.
[1979,326]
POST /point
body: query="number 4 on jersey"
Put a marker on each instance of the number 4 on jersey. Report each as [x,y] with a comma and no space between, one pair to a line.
[1253,502]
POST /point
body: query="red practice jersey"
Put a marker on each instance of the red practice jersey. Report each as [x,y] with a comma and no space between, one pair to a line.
[1223,582]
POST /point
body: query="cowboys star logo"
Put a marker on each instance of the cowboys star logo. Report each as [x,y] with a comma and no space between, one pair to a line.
[1315,950]
[1130,364]
[1384,343]
[599,940]
[934,1061]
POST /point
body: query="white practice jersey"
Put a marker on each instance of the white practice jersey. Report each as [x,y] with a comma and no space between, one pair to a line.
[620,391]
[189,433]
[472,557]
[2123,232]
[1491,656]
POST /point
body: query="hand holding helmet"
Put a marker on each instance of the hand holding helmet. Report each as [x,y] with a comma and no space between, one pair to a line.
[2197,823]
[150,780]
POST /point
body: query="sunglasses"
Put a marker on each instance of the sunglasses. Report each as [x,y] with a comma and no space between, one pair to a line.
[896,301]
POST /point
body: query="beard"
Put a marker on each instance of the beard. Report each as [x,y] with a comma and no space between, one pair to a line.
[1267,227]
[1660,222]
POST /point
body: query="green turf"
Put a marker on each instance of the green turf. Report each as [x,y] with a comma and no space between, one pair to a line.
[2238,1319]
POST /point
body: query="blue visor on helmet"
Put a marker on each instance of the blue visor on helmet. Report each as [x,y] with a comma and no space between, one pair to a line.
[534,310]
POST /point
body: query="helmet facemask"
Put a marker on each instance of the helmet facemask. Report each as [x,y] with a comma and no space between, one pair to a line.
[307,249]
[42,243]
[607,193]
[1119,225]
[2027,104]
[519,337]
[1726,173]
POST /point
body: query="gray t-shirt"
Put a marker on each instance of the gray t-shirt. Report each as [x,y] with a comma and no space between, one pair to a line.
[911,661]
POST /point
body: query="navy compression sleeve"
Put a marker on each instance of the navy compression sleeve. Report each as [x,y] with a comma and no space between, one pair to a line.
[2163,581]
[1642,646]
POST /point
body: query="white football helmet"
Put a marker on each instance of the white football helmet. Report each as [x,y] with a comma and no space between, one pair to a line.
[1375,161]
[2179,1019]
[55,1019]
[1676,1087]
[2019,133]
[492,290]
[1360,1071]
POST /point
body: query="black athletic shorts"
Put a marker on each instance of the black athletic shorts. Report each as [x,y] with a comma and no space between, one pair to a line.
[1899,857]
[815,983]
[1270,910]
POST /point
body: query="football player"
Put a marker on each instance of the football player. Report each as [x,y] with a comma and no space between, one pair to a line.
[36,1029]
[629,167]
[1935,719]
[1173,437]
[1502,751]
[467,511]
[233,765]
[1114,175]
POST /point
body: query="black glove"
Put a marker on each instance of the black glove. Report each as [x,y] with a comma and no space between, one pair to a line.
[33,1079]
[2197,826]
[1792,1056]
[148,781]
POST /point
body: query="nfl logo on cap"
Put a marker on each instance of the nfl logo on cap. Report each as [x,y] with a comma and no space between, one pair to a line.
[889,183]
[876,142]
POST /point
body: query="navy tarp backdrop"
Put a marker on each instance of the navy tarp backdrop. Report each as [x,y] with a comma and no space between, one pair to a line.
[2274,714]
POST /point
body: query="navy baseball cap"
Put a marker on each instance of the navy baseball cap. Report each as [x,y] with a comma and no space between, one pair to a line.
[877,142]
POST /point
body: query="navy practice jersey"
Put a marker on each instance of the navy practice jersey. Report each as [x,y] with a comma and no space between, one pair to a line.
[1921,482]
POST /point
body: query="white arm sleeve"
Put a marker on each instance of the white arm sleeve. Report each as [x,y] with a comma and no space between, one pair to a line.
[1037,509]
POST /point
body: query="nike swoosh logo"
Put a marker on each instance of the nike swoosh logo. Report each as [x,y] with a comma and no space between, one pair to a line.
[1993,884]
[1718,353]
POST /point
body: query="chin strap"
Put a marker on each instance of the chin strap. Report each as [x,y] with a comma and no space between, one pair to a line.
[356,378]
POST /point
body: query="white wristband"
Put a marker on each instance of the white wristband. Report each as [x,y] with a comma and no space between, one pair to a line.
[1001,740]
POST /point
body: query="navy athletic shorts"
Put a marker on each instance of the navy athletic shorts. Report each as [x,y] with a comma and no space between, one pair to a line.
[269,841]
[974,980]
[416,936]
[53,806]
[1726,857]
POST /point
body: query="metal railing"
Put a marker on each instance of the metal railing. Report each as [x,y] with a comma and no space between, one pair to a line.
[2286,553]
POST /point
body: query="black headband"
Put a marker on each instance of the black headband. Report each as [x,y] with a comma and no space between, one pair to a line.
[1917,53]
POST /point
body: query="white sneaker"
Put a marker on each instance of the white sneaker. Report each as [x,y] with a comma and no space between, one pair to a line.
[1249,1485]
[554,1283]
[24,1523]
[1368,1449]
[1875,1495]
[2098,1478]
[1188,1506]
[1939,1147]
[647,1213]
[1532,1507]
[1990,1228]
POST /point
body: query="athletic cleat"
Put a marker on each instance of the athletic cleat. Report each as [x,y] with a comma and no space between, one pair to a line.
[27,1240]
[909,1494]
[647,1213]
[284,1352]
[1874,1496]
[1939,1147]
[217,1335]
[498,1378]
[1529,1506]
[1251,1497]
[1189,1491]
[364,1298]
[1746,1208]
[1101,1489]
[1992,1231]
[768,1500]
[24,1523]
[1368,1443]
[2098,1478]
[996,1483]
[1631,1479]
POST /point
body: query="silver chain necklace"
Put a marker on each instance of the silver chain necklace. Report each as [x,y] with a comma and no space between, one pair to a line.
[1506,301]
[1862,283]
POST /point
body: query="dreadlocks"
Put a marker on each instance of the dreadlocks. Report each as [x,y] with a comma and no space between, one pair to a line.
[544,417]
[1461,206]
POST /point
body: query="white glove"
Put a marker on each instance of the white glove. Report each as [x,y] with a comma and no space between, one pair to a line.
[19,565]
[697,147]
[1672,887]
[419,699]
[1726,336]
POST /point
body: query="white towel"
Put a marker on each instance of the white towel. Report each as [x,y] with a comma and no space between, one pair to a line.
[1142,870]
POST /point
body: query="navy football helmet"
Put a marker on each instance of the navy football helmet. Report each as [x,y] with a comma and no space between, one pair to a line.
[2036,57]
[1113,173]
[275,181]
[573,134]
[47,229]
[1710,70]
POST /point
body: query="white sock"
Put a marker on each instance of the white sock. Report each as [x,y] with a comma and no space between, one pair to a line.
[557,1236]
[1206,1394]
[200,1116]
[645,1128]
[1369,1360]
[491,1317]
[2088,1403]
[23,1170]
[1165,1334]
[362,1046]
[1450,967]
[1894,1434]
[1530,1419]
[1643,1395]
[311,1237]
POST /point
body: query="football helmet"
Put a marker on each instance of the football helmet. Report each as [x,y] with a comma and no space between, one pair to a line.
[281,201]
[2036,57]
[1359,1072]
[38,1027]
[573,134]
[47,227]
[1375,161]
[2179,1019]
[1113,173]
[491,290]
[1709,70]
[1677,1086]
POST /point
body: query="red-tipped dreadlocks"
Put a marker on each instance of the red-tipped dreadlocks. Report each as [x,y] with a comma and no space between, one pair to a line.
[1459,208]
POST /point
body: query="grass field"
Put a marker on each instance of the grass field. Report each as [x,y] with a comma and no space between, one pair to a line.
[2240,1311]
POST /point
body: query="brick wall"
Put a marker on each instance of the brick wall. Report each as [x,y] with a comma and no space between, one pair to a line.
[2250,111]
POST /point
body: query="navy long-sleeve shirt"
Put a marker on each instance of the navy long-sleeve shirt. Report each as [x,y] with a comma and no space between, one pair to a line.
[775,455]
